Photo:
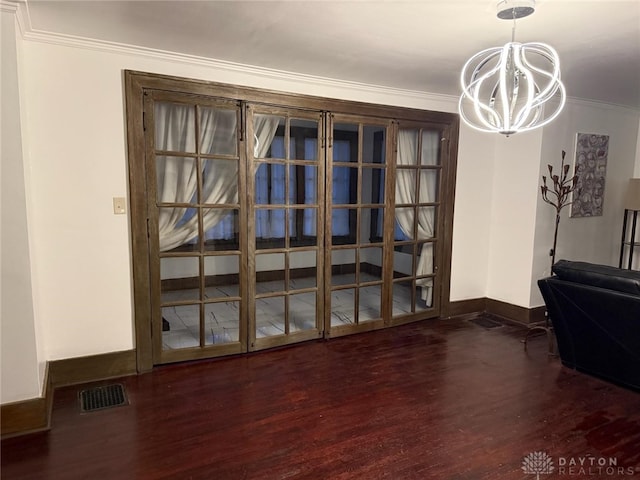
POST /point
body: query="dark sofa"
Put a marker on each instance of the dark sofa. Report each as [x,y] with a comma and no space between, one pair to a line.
[595,313]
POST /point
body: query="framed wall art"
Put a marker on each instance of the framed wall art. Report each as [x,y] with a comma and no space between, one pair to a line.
[591,169]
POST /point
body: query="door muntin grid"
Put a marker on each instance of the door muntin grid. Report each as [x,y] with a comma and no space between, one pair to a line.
[355,237]
[418,172]
[195,183]
[285,228]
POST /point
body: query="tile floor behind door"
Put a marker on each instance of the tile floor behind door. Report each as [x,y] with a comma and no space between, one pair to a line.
[222,318]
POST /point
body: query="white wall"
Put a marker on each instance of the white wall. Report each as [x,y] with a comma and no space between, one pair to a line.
[77,155]
[591,239]
[472,217]
[20,364]
[513,210]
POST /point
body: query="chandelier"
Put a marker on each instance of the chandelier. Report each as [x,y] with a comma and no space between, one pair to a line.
[507,89]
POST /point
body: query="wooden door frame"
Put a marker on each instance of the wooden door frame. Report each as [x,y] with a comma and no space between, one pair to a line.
[135,86]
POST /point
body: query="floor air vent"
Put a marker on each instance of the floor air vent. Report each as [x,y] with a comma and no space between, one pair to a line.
[99,398]
[485,322]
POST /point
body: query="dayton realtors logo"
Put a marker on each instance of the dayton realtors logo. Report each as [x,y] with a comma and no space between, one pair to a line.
[537,463]
[540,463]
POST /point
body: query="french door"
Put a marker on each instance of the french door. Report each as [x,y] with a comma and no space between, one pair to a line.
[359,208]
[197,235]
[257,224]
[417,233]
[384,240]
[285,225]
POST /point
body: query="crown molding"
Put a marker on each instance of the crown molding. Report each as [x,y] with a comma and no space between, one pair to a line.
[8,6]
[18,8]
[445,101]
[449,101]
[585,102]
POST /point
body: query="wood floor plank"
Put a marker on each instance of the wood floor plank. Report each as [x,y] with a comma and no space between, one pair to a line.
[440,399]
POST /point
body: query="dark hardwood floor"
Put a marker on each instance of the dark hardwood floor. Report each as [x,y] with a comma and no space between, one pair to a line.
[442,399]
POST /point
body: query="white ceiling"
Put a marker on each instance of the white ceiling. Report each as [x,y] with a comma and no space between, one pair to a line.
[415,45]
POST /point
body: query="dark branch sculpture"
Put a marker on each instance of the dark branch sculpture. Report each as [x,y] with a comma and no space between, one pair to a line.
[562,188]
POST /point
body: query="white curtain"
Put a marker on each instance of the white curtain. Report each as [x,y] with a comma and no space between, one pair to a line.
[406,194]
[264,129]
[269,223]
[177,177]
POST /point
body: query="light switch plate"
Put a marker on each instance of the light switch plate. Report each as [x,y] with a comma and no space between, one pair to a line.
[119,205]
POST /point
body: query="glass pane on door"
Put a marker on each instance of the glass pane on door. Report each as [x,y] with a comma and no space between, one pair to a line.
[370,303]
[343,307]
[343,266]
[403,298]
[175,127]
[221,228]
[222,322]
[370,267]
[270,319]
[302,308]
[270,273]
[182,328]
[218,131]
[303,271]
[221,276]
[180,279]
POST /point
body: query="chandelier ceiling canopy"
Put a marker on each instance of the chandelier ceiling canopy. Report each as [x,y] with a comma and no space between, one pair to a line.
[508,89]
